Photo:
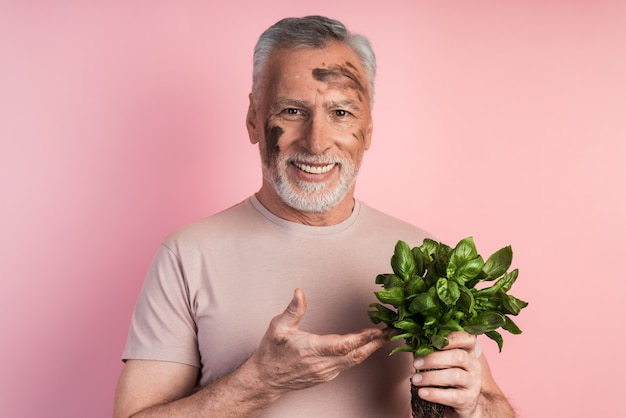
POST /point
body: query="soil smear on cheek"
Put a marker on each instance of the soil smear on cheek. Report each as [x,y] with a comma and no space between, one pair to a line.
[272,135]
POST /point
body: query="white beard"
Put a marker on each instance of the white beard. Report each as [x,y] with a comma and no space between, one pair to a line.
[306,196]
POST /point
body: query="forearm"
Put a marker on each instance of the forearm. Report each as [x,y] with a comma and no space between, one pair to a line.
[239,394]
[492,405]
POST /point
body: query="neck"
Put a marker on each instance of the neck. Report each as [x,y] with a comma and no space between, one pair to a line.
[278,207]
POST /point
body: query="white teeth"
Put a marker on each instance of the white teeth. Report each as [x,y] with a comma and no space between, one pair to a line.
[314,169]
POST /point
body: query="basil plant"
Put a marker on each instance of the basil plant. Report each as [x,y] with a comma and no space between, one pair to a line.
[435,290]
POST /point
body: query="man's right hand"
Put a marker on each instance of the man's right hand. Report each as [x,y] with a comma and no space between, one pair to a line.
[290,359]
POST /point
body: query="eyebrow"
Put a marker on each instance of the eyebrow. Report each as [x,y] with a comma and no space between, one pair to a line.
[349,103]
[281,102]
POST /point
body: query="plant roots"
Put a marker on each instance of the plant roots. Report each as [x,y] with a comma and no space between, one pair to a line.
[424,409]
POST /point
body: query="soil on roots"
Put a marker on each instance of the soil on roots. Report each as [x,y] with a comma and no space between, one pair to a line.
[424,409]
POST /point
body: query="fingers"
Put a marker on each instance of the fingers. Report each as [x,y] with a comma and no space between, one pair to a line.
[341,345]
[461,374]
[371,342]
[464,402]
[462,340]
[452,376]
[458,353]
[293,314]
[335,353]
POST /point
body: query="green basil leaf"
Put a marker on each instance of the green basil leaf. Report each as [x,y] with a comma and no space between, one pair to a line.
[483,294]
[475,329]
[459,316]
[404,348]
[393,296]
[432,275]
[407,325]
[451,325]
[498,263]
[439,253]
[424,350]
[465,250]
[490,301]
[439,342]
[415,286]
[513,305]
[380,279]
[406,335]
[429,248]
[375,317]
[425,303]
[402,261]
[448,291]
[420,261]
[484,322]
[430,320]
[389,280]
[467,270]
[492,320]
[466,301]
[382,314]
[495,335]
[511,326]
[508,279]
[473,282]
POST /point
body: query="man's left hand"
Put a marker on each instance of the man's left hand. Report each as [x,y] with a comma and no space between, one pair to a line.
[451,376]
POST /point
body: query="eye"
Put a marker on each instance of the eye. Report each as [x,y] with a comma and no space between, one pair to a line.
[292,114]
[341,113]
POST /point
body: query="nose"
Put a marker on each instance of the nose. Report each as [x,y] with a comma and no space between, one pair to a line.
[318,135]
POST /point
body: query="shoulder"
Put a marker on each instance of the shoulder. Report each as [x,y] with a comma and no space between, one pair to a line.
[219,226]
[382,225]
[224,219]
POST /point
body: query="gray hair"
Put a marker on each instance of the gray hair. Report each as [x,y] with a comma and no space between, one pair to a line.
[310,32]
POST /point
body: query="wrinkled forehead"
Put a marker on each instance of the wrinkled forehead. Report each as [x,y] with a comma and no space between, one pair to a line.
[336,65]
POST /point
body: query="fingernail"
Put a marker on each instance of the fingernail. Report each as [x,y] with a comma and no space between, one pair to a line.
[416,378]
[418,362]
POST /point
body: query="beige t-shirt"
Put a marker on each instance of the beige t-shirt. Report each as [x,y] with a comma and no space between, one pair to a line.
[215,285]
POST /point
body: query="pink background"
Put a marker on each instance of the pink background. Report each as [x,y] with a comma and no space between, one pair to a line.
[121,121]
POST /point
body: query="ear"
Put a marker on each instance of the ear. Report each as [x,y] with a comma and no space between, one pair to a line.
[251,122]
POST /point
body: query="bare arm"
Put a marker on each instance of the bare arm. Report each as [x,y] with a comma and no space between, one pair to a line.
[492,402]
[156,388]
[469,390]
[287,359]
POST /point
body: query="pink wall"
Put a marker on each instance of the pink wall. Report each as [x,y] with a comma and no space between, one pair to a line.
[122,121]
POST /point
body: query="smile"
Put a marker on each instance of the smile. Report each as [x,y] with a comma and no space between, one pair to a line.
[317,169]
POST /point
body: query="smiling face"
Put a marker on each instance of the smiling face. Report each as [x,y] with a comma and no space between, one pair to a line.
[312,121]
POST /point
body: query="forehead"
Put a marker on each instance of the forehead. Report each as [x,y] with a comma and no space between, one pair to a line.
[334,66]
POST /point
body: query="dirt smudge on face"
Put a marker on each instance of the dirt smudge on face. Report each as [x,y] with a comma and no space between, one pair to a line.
[340,76]
[349,64]
[359,135]
[272,135]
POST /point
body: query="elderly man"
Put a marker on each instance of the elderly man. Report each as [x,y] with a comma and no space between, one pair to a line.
[207,337]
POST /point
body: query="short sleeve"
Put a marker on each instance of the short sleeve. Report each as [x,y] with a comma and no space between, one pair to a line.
[162,325]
